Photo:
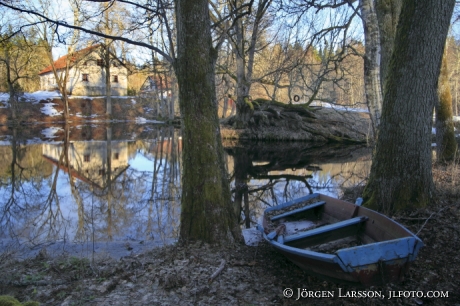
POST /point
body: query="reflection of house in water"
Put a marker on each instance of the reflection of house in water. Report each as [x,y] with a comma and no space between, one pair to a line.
[88,160]
[167,146]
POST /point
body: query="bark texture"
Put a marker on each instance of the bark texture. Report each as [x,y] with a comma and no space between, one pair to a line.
[372,62]
[388,12]
[446,145]
[207,213]
[401,176]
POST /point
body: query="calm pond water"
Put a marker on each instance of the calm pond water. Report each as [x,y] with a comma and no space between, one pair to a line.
[125,189]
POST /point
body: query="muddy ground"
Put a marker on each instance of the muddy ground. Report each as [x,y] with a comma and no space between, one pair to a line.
[183,275]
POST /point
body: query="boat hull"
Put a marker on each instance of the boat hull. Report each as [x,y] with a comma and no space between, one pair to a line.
[385,256]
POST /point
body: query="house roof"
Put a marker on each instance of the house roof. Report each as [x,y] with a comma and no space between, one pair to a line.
[60,63]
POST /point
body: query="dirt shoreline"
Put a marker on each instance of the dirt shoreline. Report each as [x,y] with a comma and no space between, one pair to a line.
[329,125]
[251,276]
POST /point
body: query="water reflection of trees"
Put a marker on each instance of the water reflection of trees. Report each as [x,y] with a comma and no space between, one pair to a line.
[109,200]
[85,191]
[135,203]
[264,174]
[20,189]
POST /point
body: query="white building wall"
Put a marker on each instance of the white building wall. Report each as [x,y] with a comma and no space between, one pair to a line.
[95,86]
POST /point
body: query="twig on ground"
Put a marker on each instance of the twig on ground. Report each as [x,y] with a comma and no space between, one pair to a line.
[215,274]
[435,213]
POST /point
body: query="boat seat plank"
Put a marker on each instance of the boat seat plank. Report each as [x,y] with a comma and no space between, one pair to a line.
[298,210]
[325,229]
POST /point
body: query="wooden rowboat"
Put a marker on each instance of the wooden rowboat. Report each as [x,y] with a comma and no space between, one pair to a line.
[340,240]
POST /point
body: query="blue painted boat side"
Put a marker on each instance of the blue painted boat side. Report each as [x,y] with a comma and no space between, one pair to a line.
[293,202]
[418,245]
[380,251]
[351,259]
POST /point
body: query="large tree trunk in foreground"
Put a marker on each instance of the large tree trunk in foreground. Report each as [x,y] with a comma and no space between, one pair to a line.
[206,210]
[446,145]
[401,176]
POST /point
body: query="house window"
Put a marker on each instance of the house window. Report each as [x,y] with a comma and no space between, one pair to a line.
[85,77]
[116,156]
[86,158]
[115,78]
[100,62]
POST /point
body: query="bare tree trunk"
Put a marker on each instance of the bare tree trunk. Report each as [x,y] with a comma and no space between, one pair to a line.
[206,210]
[172,97]
[388,16]
[243,109]
[372,62]
[446,145]
[108,87]
[13,94]
[401,176]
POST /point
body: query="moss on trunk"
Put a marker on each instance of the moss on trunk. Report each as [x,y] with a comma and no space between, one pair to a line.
[207,213]
[401,175]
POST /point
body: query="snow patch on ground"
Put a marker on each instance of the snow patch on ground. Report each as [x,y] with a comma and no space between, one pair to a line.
[33,97]
[48,95]
[340,107]
[41,95]
[133,101]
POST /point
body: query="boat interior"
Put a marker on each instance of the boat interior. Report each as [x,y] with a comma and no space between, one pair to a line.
[332,224]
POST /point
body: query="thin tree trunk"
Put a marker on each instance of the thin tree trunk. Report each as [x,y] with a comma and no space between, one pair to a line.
[372,63]
[388,12]
[206,210]
[243,109]
[446,145]
[401,176]
[108,87]
[13,94]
